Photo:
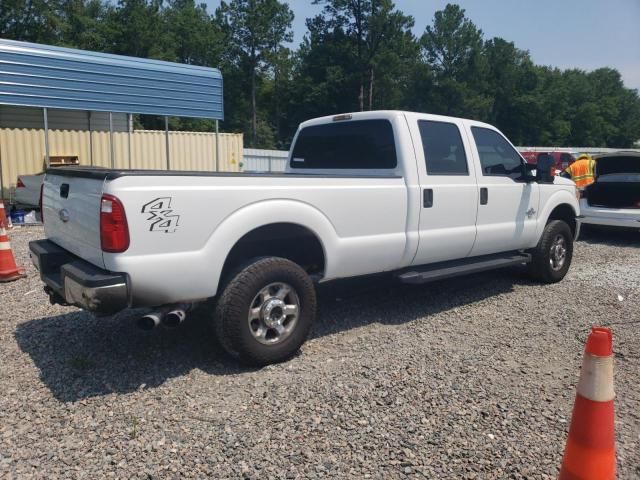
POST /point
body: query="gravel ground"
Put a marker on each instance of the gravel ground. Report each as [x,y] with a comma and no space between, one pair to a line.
[467,378]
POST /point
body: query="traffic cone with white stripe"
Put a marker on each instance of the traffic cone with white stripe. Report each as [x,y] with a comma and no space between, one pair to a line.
[4,218]
[590,453]
[9,271]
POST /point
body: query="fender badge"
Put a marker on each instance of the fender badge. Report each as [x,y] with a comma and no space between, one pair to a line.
[161,217]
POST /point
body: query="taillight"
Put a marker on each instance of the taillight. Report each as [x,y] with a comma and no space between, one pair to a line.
[20,184]
[40,204]
[114,231]
[638,204]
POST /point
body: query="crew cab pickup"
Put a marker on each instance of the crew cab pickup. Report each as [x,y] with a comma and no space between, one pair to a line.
[420,196]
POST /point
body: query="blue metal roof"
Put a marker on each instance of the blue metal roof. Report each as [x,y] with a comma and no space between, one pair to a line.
[44,76]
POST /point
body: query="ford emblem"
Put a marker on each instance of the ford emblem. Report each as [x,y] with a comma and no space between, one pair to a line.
[64,215]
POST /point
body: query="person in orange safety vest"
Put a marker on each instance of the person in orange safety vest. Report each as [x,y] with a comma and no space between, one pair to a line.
[582,171]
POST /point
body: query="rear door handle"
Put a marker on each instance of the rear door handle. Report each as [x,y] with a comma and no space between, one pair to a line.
[428,198]
[484,196]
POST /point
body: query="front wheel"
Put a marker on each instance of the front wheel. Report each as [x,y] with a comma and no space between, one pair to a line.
[265,312]
[552,256]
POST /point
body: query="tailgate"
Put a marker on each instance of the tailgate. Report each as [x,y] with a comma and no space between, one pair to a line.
[71,210]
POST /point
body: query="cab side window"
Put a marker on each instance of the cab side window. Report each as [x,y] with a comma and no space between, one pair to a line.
[497,157]
[443,149]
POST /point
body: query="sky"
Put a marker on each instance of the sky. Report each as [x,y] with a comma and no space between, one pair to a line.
[586,34]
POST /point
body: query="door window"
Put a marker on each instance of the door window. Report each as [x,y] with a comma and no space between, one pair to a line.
[443,150]
[497,156]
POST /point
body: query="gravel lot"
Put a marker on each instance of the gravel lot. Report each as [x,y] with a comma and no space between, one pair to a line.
[468,378]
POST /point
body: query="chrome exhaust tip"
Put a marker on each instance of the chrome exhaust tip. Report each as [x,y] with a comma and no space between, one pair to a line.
[150,321]
[174,318]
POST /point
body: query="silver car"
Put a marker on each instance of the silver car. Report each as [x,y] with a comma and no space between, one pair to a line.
[614,198]
[27,193]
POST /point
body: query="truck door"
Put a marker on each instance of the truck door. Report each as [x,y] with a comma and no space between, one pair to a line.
[508,208]
[449,193]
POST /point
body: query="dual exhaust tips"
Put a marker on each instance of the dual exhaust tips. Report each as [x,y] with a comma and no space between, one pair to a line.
[171,317]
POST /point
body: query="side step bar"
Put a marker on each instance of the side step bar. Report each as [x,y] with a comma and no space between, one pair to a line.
[454,268]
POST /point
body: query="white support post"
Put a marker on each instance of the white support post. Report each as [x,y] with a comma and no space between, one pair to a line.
[217,145]
[1,181]
[166,136]
[129,129]
[46,137]
[89,115]
[113,163]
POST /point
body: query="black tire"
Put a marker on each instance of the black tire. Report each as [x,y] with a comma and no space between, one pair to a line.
[232,323]
[545,266]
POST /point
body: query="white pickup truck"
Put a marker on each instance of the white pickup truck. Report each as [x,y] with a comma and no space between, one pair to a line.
[420,196]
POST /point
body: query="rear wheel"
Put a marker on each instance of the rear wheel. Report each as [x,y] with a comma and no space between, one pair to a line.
[552,256]
[265,311]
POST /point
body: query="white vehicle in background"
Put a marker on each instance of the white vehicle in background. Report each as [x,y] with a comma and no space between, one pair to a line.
[27,191]
[420,196]
[614,198]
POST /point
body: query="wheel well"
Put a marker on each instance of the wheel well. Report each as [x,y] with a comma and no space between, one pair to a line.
[565,213]
[286,240]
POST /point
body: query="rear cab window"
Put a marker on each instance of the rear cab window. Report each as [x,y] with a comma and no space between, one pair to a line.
[346,145]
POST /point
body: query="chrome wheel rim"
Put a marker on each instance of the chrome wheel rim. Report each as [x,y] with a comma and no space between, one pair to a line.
[558,252]
[273,314]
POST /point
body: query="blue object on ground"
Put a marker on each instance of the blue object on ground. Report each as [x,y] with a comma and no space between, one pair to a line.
[17,216]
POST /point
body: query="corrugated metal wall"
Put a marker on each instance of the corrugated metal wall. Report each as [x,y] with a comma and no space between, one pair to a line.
[22,150]
[258,160]
[27,117]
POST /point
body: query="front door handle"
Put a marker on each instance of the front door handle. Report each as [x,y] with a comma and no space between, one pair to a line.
[484,196]
[428,198]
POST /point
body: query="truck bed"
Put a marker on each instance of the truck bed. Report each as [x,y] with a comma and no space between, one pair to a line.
[111,174]
[182,224]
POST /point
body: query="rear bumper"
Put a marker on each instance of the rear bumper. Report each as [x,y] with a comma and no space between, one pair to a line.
[610,217]
[74,281]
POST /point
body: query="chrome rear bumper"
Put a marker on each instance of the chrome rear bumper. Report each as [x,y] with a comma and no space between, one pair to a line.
[73,281]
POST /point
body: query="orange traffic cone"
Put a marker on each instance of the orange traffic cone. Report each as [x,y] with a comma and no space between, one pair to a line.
[8,269]
[4,218]
[590,453]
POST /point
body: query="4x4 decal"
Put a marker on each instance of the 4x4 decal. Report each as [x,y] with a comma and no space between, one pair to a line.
[161,216]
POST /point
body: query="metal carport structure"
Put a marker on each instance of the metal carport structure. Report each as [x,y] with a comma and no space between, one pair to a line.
[48,77]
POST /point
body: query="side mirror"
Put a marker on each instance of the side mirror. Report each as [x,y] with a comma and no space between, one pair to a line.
[545,169]
[528,172]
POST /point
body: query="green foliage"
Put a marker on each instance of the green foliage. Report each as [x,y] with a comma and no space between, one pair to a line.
[254,32]
[356,55]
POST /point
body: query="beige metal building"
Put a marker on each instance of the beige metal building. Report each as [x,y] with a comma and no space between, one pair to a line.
[86,135]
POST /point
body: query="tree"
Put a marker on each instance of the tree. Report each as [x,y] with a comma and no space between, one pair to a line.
[196,38]
[31,20]
[85,23]
[510,80]
[254,30]
[453,48]
[282,61]
[374,31]
[356,55]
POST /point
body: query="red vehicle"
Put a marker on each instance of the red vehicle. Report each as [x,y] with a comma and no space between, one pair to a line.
[562,159]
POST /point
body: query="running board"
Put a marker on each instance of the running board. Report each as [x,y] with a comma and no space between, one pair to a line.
[454,268]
